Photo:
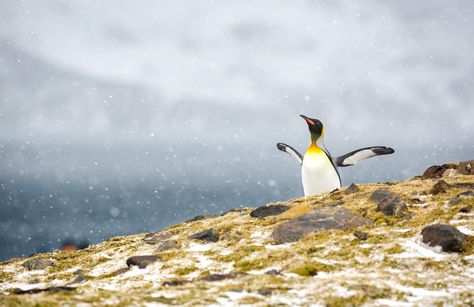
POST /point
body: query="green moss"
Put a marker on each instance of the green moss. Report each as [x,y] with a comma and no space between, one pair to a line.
[159,299]
[172,255]
[469,247]
[311,268]
[395,249]
[254,264]
[240,253]
[250,300]
[343,301]
[185,270]
[6,276]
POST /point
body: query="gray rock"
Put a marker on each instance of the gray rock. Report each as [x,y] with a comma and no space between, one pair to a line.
[466,209]
[380,195]
[317,220]
[80,277]
[440,187]
[206,235]
[448,237]
[392,206]
[218,277]
[141,261]
[167,245]
[273,272]
[416,201]
[49,289]
[352,189]
[265,291]
[174,283]
[37,264]
[455,200]
[466,194]
[198,218]
[361,235]
[265,211]
[154,238]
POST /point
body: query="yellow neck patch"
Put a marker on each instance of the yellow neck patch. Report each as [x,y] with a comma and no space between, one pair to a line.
[314,149]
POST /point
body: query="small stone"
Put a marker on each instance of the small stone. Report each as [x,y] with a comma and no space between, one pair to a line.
[218,277]
[416,201]
[317,220]
[239,210]
[37,264]
[440,187]
[352,189]
[206,235]
[198,218]
[265,211]
[448,237]
[141,261]
[167,245]
[80,277]
[392,206]
[450,173]
[49,289]
[466,194]
[360,235]
[466,209]
[273,272]
[174,283]
[265,291]
[454,200]
[380,195]
[156,237]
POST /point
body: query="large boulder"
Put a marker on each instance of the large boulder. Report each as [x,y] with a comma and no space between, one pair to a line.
[448,237]
[317,220]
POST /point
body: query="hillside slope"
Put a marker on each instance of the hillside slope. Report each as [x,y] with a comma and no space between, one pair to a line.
[362,244]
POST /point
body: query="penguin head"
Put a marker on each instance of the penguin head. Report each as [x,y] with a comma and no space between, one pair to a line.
[315,127]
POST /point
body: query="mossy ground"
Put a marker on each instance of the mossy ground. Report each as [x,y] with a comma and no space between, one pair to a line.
[332,268]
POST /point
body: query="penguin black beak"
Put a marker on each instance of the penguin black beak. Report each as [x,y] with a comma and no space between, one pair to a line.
[308,120]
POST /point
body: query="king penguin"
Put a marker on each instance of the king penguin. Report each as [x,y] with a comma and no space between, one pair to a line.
[319,172]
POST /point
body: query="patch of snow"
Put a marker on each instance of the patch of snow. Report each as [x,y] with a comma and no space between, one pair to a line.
[196,247]
[203,262]
[278,246]
[466,230]
[233,297]
[390,303]
[264,270]
[415,248]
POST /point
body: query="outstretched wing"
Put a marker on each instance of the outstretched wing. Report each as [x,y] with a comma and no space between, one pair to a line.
[290,150]
[361,154]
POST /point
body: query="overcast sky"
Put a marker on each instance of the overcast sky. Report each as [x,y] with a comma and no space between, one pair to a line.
[199,92]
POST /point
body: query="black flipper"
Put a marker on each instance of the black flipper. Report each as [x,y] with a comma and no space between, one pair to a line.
[291,151]
[361,154]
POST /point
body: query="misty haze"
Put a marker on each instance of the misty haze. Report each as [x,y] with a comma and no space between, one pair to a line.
[120,117]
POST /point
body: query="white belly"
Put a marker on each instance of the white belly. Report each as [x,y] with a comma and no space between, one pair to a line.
[318,175]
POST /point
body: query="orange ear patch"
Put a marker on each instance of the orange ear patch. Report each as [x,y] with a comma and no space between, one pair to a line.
[309,121]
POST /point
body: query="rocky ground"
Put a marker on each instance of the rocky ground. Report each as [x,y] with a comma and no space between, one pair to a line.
[392,244]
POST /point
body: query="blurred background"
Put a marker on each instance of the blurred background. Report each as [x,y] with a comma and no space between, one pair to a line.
[119,117]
